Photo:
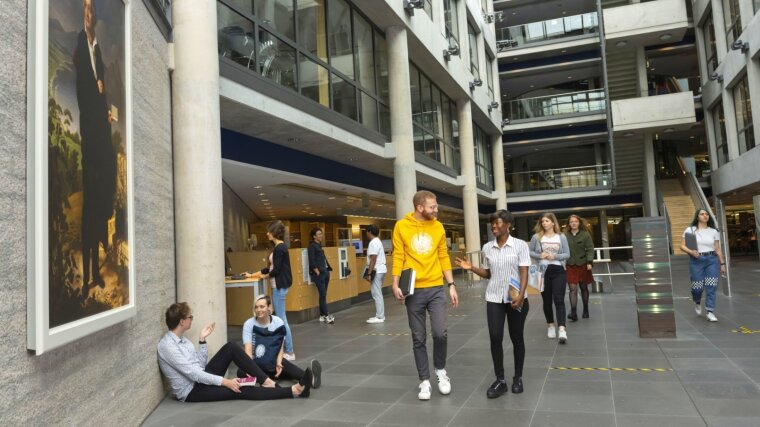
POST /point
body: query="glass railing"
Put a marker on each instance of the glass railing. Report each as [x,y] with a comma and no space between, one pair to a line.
[555,105]
[520,35]
[594,176]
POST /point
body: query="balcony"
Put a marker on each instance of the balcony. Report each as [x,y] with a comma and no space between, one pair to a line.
[646,24]
[654,113]
[581,178]
[555,106]
[552,29]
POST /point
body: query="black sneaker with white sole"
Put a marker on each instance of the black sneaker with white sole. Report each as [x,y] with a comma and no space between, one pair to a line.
[316,372]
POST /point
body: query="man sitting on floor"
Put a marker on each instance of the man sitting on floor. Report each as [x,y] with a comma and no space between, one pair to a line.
[194,378]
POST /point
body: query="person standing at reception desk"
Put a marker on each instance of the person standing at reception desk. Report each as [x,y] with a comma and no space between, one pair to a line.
[319,270]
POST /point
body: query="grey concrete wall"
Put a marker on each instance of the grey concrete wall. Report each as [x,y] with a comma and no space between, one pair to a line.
[237,216]
[110,377]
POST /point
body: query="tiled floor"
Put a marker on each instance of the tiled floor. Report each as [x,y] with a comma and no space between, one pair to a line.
[710,376]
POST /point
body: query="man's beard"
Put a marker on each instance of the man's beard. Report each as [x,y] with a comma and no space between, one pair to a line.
[429,216]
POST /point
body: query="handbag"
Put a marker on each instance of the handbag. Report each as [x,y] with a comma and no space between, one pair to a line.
[535,278]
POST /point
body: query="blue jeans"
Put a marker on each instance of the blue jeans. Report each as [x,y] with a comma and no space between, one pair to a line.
[705,275]
[377,294]
[278,301]
[322,281]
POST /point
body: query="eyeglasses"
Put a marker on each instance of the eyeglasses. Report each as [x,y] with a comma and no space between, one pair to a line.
[189,317]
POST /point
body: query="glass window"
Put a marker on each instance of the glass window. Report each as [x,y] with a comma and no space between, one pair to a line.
[451,22]
[368,111]
[381,66]
[744,116]
[414,87]
[435,112]
[363,54]
[277,60]
[385,120]
[311,27]
[339,26]
[710,50]
[473,51]
[425,99]
[721,141]
[428,6]
[344,97]
[733,20]
[489,76]
[314,80]
[236,39]
[277,14]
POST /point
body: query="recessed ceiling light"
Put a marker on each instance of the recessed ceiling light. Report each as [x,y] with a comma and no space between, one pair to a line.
[262,194]
[264,200]
[257,187]
[569,77]
[667,130]
[621,43]
[331,198]
[666,36]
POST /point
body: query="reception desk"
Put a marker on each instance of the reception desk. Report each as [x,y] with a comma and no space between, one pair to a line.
[240,297]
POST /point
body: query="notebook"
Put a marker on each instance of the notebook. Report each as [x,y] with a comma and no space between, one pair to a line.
[247,381]
[406,283]
[690,239]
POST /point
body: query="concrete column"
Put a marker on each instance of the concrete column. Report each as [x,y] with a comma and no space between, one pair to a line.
[650,189]
[499,172]
[402,135]
[198,217]
[469,191]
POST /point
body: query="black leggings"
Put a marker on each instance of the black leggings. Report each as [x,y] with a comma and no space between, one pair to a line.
[289,372]
[218,365]
[554,291]
[495,313]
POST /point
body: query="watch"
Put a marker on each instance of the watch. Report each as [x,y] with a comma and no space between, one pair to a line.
[452,284]
[201,342]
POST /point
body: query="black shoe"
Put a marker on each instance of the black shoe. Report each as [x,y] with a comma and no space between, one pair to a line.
[585,314]
[517,386]
[498,388]
[316,372]
[306,381]
[573,316]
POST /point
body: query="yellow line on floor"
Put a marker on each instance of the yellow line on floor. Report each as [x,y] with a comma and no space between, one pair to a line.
[577,368]
[745,330]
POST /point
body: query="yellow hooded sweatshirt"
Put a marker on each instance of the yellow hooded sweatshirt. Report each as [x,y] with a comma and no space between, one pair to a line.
[420,245]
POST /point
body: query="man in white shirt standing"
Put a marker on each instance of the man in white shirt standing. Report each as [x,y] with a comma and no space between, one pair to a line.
[375,272]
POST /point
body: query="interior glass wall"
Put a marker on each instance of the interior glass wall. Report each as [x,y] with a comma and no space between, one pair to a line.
[326,50]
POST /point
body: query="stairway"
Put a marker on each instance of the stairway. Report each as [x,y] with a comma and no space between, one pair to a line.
[680,210]
[622,80]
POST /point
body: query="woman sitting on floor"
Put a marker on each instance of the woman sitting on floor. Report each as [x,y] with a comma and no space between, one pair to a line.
[263,341]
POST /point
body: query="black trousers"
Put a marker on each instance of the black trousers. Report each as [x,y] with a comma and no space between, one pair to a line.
[289,372]
[496,313]
[554,291]
[218,365]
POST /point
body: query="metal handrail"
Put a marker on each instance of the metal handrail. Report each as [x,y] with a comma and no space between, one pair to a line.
[555,104]
[594,175]
[517,35]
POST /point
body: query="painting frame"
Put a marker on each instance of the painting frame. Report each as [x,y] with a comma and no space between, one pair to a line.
[41,337]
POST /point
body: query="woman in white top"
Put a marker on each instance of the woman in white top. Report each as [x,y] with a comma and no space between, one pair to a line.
[705,263]
[549,247]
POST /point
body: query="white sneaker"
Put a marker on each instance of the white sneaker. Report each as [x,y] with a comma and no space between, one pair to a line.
[330,319]
[375,320]
[698,309]
[711,317]
[289,356]
[551,332]
[444,384]
[425,390]
[323,319]
[562,336]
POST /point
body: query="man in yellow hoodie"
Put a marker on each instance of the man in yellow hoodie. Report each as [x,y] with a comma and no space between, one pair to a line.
[419,242]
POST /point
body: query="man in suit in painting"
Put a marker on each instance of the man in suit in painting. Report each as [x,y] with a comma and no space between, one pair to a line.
[98,157]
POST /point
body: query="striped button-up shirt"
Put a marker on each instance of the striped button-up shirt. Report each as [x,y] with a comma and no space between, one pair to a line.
[503,262]
[183,366]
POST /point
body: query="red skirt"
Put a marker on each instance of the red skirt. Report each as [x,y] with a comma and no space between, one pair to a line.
[579,274]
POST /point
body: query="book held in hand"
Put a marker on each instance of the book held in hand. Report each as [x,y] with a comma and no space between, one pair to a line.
[406,283]
[371,276]
[690,239]
[247,381]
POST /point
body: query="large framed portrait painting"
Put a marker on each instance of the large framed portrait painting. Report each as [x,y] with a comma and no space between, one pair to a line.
[80,204]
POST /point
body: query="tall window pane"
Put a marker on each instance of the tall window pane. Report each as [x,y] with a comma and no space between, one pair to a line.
[733,20]
[451,22]
[473,51]
[414,87]
[435,112]
[236,39]
[385,120]
[278,14]
[746,132]
[381,66]
[426,101]
[721,140]
[489,76]
[344,97]
[314,80]
[369,111]
[340,40]
[365,66]
[277,60]
[711,51]
[428,6]
[311,27]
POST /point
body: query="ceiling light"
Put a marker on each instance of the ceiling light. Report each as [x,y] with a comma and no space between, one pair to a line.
[666,37]
[621,43]
[257,187]
[331,198]
[629,134]
[569,77]
[262,194]
[667,130]
[264,200]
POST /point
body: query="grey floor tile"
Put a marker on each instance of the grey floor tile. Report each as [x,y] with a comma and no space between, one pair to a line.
[349,412]
[418,414]
[733,422]
[643,420]
[370,395]
[653,398]
[189,418]
[469,417]
[565,419]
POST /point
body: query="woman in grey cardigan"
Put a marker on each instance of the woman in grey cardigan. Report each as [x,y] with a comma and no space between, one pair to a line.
[549,247]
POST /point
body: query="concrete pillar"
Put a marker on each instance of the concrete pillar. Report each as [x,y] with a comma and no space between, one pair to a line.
[499,168]
[650,185]
[198,218]
[402,135]
[469,191]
